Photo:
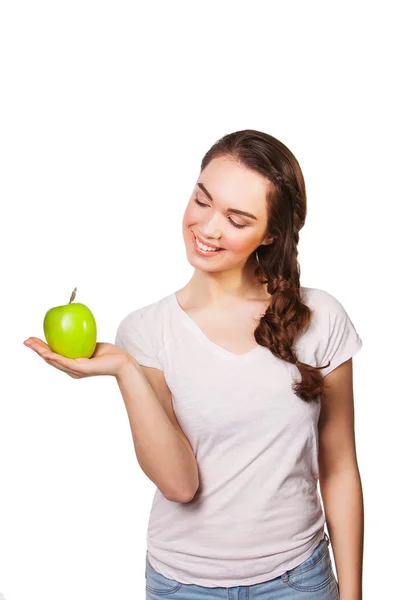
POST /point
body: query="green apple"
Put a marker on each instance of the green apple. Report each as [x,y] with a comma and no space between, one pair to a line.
[70,330]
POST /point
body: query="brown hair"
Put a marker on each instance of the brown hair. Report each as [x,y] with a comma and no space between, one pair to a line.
[286,316]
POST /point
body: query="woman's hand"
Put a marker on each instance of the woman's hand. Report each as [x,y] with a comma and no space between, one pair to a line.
[107,359]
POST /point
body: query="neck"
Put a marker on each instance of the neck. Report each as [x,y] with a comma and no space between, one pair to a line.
[225,288]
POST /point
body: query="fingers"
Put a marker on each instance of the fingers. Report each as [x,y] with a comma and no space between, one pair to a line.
[57,365]
[68,365]
[37,342]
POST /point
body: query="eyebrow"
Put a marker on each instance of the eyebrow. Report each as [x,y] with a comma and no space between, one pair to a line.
[234,210]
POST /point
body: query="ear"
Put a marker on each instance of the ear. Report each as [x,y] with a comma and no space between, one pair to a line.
[267,241]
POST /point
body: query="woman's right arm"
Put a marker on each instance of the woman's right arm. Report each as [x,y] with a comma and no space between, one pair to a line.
[162,450]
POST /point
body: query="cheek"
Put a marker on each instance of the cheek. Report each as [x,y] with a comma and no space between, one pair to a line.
[188,215]
[186,223]
[191,218]
[241,243]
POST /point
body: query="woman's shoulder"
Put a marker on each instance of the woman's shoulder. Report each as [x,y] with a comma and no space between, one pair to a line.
[331,335]
[143,331]
[318,296]
[323,304]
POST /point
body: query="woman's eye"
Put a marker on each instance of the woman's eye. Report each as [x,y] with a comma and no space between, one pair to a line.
[236,224]
[233,222]
[198,201]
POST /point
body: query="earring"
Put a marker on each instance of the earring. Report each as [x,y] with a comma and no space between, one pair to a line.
[258,260]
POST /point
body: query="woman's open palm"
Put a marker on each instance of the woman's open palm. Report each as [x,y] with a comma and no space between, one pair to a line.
[107,359]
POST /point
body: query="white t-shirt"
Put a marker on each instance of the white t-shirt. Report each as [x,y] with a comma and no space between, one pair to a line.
[258,512]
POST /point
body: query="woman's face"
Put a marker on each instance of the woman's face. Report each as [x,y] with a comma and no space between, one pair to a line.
[231,187]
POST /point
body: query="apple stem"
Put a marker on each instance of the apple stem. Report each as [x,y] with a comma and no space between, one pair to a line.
[72,296]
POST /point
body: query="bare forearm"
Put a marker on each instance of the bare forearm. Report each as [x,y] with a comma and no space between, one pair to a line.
[159,448]
[344,511]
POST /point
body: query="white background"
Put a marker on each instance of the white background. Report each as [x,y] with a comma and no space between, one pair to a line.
[107,109]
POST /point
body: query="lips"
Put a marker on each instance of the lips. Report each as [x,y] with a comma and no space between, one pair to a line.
[206,243]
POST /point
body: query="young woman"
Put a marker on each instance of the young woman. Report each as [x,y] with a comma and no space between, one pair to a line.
[239,393]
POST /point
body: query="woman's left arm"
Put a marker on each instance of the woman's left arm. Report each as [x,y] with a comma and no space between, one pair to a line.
[340,481]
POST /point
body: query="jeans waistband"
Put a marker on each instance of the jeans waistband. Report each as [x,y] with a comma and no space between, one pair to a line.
[328,541]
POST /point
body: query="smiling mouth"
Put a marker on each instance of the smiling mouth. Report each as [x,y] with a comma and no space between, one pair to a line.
[202,250]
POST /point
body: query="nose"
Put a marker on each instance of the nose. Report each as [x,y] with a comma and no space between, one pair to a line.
[209,231]
[210,227]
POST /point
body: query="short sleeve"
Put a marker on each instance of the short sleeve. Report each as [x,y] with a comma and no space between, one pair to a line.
[134,335]
[343,340]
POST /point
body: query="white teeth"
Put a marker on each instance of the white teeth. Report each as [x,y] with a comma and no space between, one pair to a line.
[203,247]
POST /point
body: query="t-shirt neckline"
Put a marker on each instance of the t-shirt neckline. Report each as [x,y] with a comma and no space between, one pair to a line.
[201,336]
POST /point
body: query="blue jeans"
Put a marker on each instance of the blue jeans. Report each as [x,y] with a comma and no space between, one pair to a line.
[313,579]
